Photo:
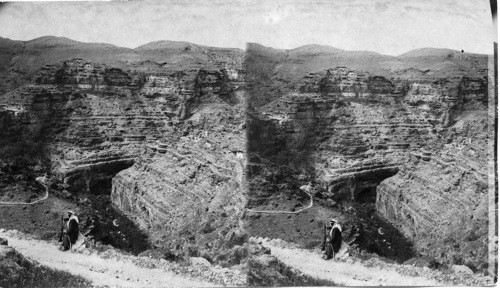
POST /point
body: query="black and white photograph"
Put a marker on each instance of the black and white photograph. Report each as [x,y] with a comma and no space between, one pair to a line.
[248,143]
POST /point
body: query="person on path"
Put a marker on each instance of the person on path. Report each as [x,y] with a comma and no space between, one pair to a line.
[332,240]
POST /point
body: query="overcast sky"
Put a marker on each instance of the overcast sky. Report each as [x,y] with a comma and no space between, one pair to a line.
[384,26]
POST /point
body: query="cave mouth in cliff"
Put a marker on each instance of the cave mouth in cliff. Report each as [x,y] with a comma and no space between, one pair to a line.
[101,187]
[378,235]
[367,195]
[111,226]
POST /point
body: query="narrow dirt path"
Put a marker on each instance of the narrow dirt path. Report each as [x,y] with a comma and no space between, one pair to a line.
[27,203]
[102,272]
[39,179]
[341,272]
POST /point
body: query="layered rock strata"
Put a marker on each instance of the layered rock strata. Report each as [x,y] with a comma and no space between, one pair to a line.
[100,118]
[191,186]
[440,198]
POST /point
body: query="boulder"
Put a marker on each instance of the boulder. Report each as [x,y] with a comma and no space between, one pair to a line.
[461,269]
[258,249]
[418,262]
[199,261]
[266,260]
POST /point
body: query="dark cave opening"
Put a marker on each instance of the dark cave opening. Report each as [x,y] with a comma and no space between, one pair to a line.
[101,187]
[366,229]
[371,232]
[367,195]
[106,224]
[378,235]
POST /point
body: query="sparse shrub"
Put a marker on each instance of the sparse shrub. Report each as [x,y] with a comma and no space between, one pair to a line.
[458,260]
[434,264]
[16,271]
[278,274]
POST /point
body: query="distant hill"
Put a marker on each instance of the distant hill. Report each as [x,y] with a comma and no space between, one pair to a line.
[277,71]
[166,45]
[434,52]
[445,62]
[53,41]
[19,59]
[31,55]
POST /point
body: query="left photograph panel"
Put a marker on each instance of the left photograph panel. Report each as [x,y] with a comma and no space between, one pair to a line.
[122,145]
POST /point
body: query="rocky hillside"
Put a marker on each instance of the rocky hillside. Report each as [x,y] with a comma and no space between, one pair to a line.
[400,140]
[20,59]
[280,72]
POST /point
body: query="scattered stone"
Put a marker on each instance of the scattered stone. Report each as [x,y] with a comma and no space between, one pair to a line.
[462,269]
[66,194]
[266,259]
[199,261]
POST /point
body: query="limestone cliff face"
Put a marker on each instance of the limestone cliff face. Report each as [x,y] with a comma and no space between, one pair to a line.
[347,82]
[381,116]
[84,75]
[95,120]
[358,129]
[439,198]
[187,190]
[441,205]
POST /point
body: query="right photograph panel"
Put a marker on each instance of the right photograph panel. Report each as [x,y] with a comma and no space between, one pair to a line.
[370,145]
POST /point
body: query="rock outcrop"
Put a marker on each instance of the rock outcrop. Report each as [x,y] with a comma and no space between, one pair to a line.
[440,197]
[191,184]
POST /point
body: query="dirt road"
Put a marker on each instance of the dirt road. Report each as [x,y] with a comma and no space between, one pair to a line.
[110,272]
[342,272]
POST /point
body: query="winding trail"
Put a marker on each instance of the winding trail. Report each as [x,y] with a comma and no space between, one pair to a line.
[39,180]
[102,272]
[342,272]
